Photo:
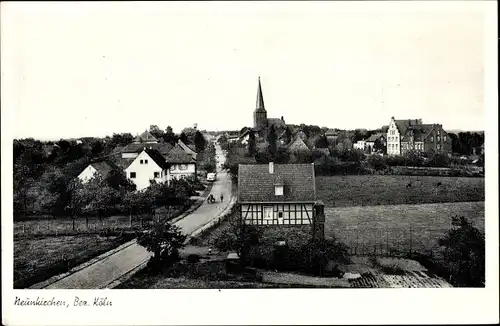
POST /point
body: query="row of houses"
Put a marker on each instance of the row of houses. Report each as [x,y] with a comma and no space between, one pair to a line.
[147,159]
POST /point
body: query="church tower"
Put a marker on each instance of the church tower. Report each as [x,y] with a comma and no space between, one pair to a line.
[260,113]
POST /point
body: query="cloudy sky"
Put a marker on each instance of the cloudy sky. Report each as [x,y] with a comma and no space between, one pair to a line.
[91,69]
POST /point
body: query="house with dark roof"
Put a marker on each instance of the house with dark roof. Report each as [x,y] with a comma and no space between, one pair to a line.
[377,137]
[297,145]
[101,169]
[146,139]
[182,164]
[147,166]
[277,194]
[413,134]
[187,148]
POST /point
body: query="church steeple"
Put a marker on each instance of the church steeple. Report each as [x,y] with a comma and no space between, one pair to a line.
[259,114]
[260,100]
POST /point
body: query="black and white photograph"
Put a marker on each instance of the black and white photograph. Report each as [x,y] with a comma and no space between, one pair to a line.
[262,147]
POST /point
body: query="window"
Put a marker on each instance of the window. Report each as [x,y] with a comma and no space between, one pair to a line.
[157,174]
[438,132]
[444,139]
[268,213]
[280,214]
[141,162]
[145,161]
[438,138]
[439,146]
[432,138]
[132,175]
[278,190]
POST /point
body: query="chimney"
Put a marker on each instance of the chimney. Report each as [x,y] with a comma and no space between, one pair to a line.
[271,167]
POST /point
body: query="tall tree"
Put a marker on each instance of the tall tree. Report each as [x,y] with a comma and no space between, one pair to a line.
[252,146]
[184,138]
[272,147]
[156,131]
[169,136]
[322,142]
[199,141]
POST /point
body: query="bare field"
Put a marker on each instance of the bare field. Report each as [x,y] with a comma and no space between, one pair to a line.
[370,190]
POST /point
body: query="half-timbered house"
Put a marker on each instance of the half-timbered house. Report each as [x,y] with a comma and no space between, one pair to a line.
[276,194]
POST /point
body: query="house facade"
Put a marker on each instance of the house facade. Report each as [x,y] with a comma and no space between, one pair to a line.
[359,145]
[101,169]
[407,135]
[148,165]
[181,163]
[276,194]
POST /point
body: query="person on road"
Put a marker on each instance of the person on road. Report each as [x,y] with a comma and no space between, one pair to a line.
[221,198]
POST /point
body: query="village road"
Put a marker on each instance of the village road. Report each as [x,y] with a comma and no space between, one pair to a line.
[102,273]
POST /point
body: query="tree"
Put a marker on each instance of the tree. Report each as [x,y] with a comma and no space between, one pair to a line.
[169,136]
[164,240]
[95,197]
[272,147]
[252,149]
[199,141]
[464,253]
[156,131]
[117,180]
[184,138]
[322,142]
[379,146]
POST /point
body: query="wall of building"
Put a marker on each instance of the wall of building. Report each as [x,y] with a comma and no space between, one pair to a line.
[438,141]
[178,171]
[87,174]
[129,155]
[393,139]
[292,214]
[145,172]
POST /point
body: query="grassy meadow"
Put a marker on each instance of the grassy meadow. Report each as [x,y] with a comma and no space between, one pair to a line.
[397,227]
[38,258]
[371,190]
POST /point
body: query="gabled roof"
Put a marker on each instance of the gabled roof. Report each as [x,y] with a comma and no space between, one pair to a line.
[298,145]
[256,184]
[102,167]
[188,149]
[259,105]
[145,137]
[163,148]
[374,137]
[179,155]
[331,132]
[276,122]
[157,158]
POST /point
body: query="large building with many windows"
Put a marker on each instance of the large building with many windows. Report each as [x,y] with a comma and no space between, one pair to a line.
[412,134]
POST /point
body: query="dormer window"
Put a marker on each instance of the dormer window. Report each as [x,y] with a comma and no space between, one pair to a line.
[278,190]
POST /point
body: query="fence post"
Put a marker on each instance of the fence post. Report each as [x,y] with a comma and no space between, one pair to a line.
[387,242]
[411,236]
